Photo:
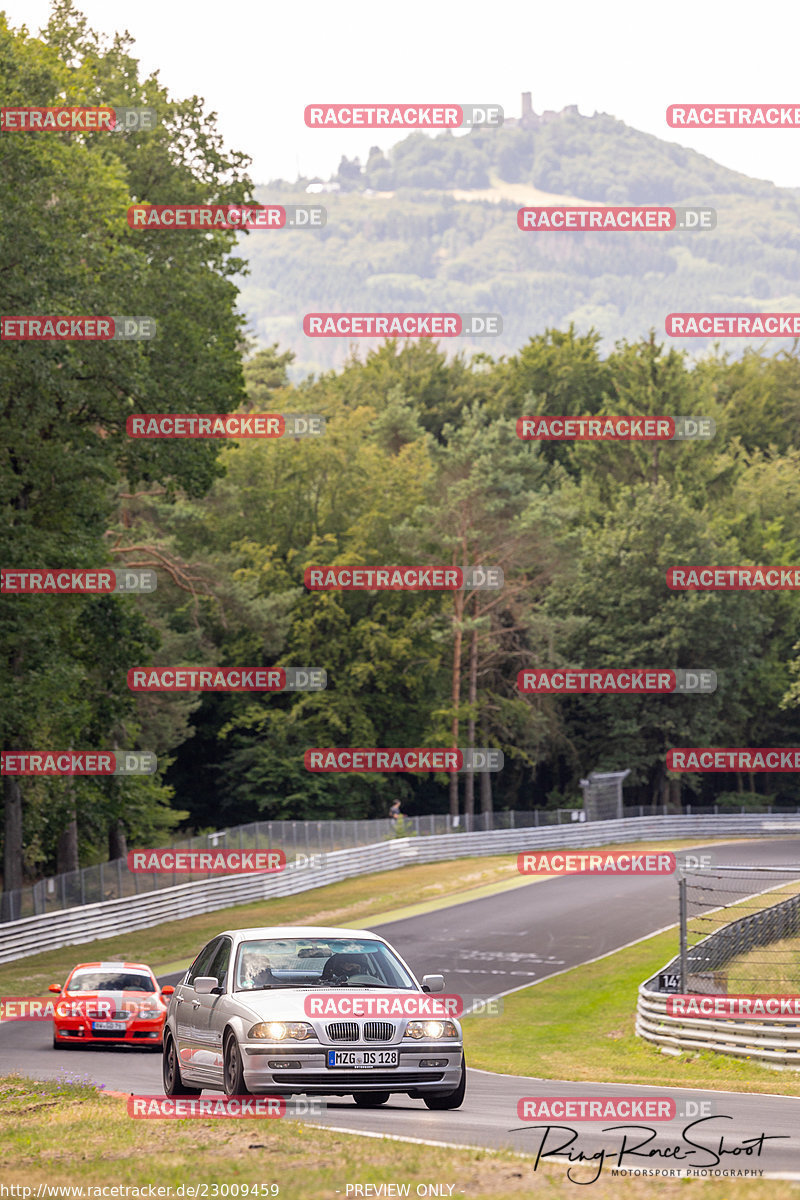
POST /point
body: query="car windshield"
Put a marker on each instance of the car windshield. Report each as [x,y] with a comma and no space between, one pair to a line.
[318,962]
[110,981]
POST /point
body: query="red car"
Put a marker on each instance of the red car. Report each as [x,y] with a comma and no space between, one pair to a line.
[119,1003]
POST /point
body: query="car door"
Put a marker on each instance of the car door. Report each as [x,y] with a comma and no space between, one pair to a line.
[209,1015]
[187,1007]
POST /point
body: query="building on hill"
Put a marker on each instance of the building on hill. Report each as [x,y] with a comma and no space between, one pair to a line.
[531,120]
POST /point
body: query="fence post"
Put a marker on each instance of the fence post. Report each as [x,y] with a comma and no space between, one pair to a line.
[682,920]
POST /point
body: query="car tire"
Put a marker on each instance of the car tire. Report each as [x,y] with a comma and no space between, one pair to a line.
[65,1045]
[370,1099]
[452,1099]
[233,1068]
[171,1072]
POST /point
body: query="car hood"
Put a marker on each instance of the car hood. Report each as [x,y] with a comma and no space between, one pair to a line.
[117,1000]
[288,1004]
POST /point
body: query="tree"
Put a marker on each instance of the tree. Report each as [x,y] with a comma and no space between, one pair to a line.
[63,405]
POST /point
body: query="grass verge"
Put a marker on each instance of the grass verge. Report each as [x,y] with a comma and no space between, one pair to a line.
[775,967]
[580,1026]
[67,1134]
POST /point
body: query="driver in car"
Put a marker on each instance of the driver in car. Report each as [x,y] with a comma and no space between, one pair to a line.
[347,969]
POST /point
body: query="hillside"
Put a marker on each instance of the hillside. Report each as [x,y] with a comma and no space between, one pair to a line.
[433,226]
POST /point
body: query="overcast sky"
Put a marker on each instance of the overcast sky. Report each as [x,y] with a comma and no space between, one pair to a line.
[258,64]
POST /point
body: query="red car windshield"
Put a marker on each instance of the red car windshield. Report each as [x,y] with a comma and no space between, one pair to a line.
[110,981]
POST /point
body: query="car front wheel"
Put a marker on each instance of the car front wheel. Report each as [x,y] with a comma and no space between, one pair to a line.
[452,1099]
[66,1044]
[233,1072]
[173,1084]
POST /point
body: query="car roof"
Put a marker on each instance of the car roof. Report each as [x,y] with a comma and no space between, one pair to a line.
[320,931]
[112,966]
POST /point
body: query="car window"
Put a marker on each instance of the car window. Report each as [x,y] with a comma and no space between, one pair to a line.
[317,962]
[203,961]
[110,981]
[220,962]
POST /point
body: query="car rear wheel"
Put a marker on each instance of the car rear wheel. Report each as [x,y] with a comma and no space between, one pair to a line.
[370,1099]
[173,1084]
[452,1099]
[233,1071]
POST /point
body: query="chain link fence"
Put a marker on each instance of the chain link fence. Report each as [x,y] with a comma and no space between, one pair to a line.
[739,931]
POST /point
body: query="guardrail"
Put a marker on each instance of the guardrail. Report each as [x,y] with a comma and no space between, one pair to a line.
[72,927]
[774,1043]
[113,880]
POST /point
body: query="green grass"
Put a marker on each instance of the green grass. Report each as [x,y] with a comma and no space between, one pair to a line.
[580,1026]
[775,967]
[67,1134]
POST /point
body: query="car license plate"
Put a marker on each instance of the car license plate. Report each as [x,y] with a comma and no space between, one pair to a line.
[362,1058]
[112,1025]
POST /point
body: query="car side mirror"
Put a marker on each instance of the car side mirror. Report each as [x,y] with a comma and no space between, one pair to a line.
[167,990]
[54,987]
[433,983]
[204,985]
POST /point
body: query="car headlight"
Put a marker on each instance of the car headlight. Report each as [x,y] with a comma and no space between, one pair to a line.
[431,1029]
[148,1014]
[279,1031]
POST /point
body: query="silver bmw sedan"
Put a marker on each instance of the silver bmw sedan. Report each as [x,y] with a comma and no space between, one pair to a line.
[290,1009]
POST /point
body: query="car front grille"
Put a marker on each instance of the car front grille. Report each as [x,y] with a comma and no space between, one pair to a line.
[343,1031]
[378,1031]
[350,1031]
[120,1015]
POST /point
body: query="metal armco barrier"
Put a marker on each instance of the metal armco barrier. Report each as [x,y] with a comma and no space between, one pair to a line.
[773,1044]
[73,926]
[114,881]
